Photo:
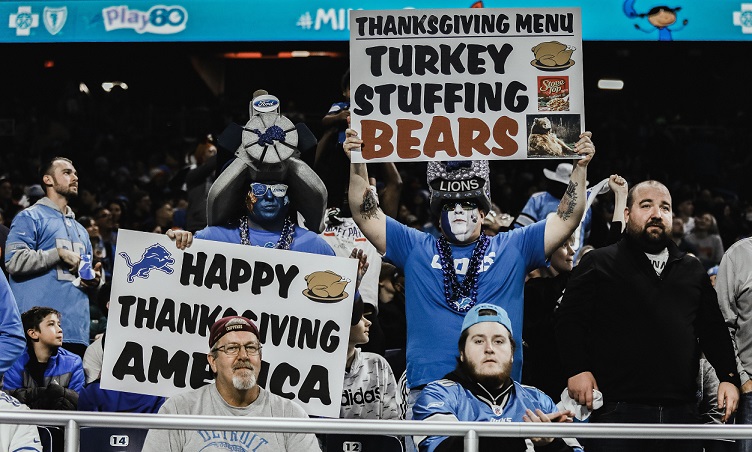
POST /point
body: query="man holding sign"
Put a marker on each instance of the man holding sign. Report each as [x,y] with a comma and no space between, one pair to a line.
[235,359]
[446,277]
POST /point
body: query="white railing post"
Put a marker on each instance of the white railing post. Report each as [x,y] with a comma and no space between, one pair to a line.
[71,436]
[471,441]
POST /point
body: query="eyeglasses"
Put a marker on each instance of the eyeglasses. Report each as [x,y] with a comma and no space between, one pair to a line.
[234,349]
[259,190]
[466,205]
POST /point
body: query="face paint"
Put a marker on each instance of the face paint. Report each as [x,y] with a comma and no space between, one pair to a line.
[460,223]
[268,209]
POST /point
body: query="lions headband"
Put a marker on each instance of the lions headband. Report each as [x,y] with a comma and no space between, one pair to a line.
[486,312]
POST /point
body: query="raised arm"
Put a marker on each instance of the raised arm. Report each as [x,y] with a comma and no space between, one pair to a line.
[390,196]
[363,205]
[560,227]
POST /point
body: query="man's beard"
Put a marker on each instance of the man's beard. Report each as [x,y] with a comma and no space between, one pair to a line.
[489,381]
[245,381]
[649,243]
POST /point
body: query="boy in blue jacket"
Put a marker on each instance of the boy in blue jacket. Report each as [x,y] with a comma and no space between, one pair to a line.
[46,376]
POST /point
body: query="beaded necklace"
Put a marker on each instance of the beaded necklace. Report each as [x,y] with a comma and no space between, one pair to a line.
[285,238]
[461,297]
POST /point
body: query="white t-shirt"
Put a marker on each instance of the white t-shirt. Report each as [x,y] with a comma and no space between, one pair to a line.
[658,260]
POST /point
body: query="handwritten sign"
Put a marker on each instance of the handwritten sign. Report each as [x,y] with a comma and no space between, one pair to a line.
[466,84]
[165,300]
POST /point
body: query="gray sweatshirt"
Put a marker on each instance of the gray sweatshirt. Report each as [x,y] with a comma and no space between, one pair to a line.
[734,286]
[206,401]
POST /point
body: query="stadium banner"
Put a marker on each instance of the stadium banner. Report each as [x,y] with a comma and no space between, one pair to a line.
[328,20]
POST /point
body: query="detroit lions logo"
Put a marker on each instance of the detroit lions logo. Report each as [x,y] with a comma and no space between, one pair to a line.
[155,257]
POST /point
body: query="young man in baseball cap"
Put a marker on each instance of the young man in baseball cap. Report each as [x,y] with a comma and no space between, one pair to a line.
[481,389]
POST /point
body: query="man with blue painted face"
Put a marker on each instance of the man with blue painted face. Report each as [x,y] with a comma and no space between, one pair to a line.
[249,203]
[266,223]
[446,277]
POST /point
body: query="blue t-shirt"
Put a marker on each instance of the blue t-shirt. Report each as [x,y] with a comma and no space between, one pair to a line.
[433,327]
[302,239]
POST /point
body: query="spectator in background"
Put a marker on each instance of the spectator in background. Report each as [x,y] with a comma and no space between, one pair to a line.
[8,205]
[704,237]
[99,248]
[44,251]
[369,390]
[106,224]
[543,203]
[12,337]
[685,209]
[198,180]
[734,287]
[543,292]
[679,237]
[46,377]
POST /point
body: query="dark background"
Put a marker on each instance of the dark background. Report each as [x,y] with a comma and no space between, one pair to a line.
[682,117]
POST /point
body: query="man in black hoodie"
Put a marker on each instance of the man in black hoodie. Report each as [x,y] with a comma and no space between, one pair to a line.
[633,321]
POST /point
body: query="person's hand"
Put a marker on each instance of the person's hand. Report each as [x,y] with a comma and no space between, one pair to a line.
[352,142]
[362,258]
[69,258]
[617,184]
[540,416]
[586,148]
[581,388]
[97,277]
[747,387]
[182,239]
[343,116]
[728,398]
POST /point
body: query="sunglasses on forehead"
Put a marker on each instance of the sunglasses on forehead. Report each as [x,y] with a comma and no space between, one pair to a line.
[259,190]
[466,205]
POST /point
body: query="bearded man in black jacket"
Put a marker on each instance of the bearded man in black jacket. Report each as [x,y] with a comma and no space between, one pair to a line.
[633,323]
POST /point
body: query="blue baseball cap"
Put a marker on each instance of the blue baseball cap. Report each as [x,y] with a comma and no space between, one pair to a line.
[486,312]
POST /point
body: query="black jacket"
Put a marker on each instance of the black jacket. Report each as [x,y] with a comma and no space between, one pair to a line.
[640,334]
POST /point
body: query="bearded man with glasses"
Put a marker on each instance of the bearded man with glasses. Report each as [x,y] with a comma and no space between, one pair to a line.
[235,359]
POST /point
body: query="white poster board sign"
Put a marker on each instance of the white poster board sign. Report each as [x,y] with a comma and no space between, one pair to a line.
[165,300]
[466,84]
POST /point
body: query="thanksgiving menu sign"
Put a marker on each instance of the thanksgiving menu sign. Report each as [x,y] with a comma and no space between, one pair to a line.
[466,84]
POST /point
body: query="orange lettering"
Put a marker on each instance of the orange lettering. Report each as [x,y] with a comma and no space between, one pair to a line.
[504,130]
[376,146]
[440,138]
[474,134]
[407,144]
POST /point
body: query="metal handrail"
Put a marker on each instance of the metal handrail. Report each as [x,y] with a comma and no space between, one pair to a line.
[470,430]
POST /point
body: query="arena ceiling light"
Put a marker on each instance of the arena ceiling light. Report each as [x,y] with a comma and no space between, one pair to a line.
[611,84]
[83,88]
[107,86]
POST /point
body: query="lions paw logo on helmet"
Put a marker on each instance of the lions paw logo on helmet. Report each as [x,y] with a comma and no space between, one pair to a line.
[155,257]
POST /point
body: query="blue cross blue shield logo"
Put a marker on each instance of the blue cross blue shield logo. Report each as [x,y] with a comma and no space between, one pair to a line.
[54,19]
